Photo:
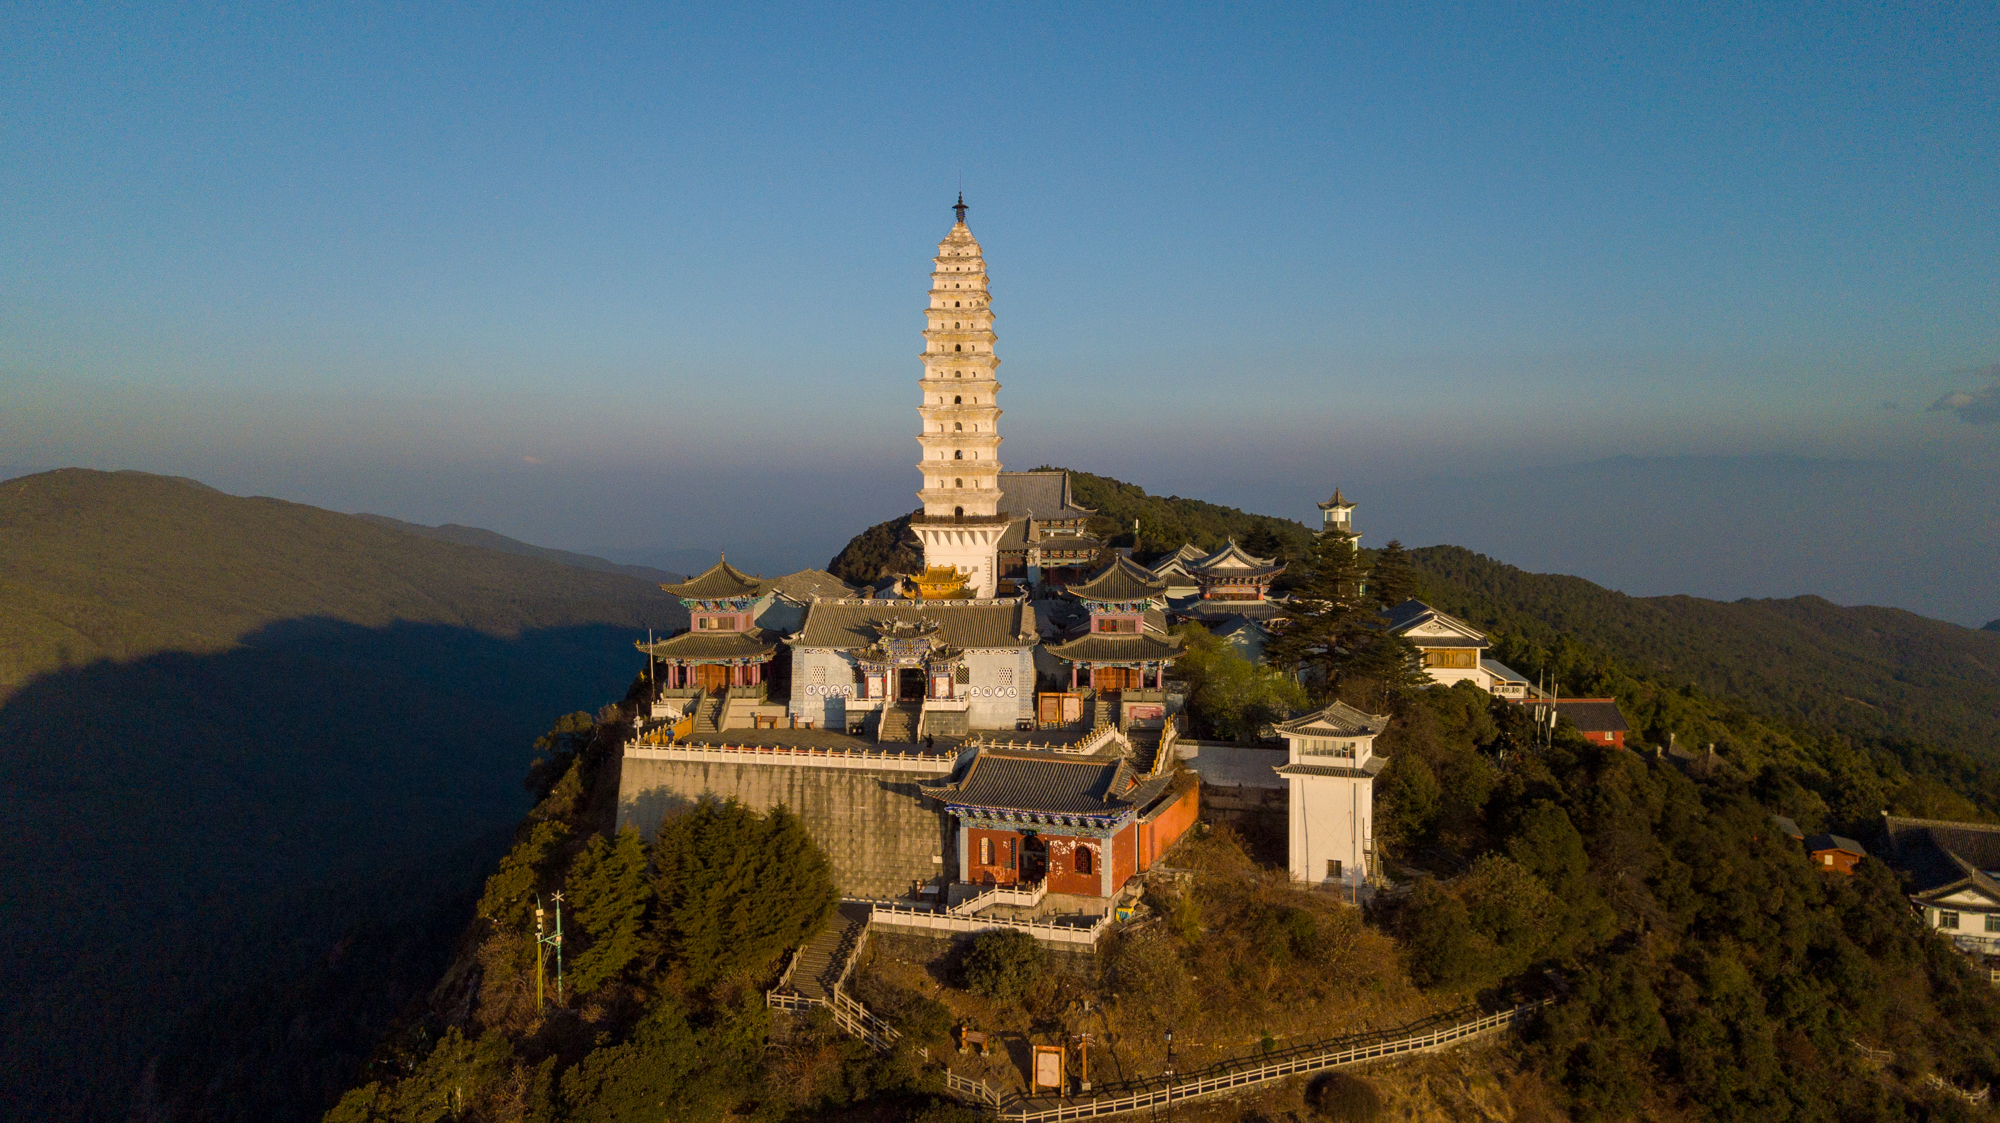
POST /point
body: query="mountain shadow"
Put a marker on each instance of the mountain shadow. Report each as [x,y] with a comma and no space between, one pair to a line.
[226,871]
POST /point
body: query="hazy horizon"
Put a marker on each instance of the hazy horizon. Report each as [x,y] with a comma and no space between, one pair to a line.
[635,279]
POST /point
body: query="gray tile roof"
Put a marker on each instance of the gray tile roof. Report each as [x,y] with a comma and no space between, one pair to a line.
[1336,720]
[1372,768]
[721,581]
[850,623]
[1122,582]
[806,584]
[1785,824]
[1592,715]
[1049,783]
[753,644]
[1820,842]
[1040,495]
[1124,647]
[1943,855]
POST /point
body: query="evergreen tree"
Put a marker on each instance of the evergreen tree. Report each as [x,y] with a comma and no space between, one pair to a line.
[737,889]
[1392,580]
[1328,621]
[609,895]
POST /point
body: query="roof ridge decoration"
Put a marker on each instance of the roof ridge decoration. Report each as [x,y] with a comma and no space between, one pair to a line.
[1337,717]
[720,581]
[1231,550]
[1124,581]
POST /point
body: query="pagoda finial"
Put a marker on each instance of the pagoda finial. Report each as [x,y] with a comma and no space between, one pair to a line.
[960,206]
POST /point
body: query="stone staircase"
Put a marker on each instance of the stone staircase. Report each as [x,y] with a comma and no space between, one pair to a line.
[824,958]
[1145,749]
[899,723]
[946,723]
[708,713]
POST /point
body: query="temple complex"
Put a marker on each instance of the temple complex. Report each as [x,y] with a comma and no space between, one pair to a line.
[1004,718]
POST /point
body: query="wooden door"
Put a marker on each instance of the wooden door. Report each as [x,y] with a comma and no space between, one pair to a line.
[708,676]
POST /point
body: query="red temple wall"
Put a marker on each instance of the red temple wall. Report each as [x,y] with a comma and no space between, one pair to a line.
[1063,877]
[1003,870]
[1167,827]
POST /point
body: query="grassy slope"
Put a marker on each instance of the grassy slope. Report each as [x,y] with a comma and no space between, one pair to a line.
[1879,672]
[223,723]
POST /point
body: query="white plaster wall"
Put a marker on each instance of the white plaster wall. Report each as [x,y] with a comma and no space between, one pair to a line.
[823,703]
[992,705]
[1331,818]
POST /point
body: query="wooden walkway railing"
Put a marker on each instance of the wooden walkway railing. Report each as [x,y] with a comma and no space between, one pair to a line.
[858,1021]
[1039,1111]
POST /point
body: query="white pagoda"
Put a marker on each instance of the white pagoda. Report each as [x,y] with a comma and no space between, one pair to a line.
[961,524]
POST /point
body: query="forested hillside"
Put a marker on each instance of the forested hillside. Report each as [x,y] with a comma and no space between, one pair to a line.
[1869,672]
[1166,523]
[250,753]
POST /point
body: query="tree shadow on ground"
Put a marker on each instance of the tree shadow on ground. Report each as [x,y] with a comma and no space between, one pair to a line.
[225,873]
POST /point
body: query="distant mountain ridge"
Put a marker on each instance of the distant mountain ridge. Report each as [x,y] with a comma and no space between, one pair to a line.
[231,729]
[492,540]
[1880,672]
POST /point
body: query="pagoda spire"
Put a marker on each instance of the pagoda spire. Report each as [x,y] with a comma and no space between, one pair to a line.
[960,415]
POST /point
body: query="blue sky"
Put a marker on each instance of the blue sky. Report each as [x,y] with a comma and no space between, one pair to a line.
[645,278]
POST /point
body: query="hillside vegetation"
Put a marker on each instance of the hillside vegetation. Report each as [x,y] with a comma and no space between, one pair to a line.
[1872,673]
[251,752]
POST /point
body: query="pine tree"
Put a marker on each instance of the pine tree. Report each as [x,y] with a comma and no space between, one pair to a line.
[736,889]
[1392,580]
[609,895]
[1327,620]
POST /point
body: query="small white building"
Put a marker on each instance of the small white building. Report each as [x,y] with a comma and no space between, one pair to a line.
[1330,767]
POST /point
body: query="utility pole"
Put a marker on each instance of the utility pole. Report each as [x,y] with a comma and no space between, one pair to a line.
[545,939]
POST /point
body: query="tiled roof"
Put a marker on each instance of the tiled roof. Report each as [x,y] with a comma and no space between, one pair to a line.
[1040,495]
[1501,671]
[806,584]
[1123,581]
[1785,824]
[1373,767]
[721,582]
[1944,855]
[849,623]
[1048,783]
[1820,842]
[1069,542]
[1336,720]
[1122,647]
[1414,613]
[714,645]
[1221,611]
[1978,843]
[1592,715]
[1233,559]
[1337,501]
